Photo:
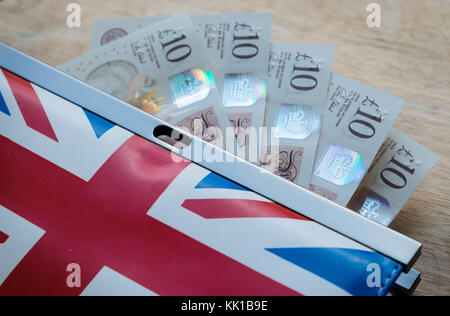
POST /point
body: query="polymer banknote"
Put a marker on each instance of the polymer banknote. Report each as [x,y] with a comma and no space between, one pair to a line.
[356,122]
[397,170]
[299,76]
[237,46]
[163,70]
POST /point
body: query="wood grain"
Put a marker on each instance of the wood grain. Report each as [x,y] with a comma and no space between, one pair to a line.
[407,57]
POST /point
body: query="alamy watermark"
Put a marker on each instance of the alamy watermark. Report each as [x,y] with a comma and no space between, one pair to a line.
[374,18]
[225,147]
[73,280]
[374,278]
[73,19]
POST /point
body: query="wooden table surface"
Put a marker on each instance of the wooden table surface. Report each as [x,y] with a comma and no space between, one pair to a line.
[407,57]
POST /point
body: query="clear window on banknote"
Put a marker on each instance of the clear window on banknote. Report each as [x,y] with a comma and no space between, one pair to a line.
[122,79]
[191,86]
[162,69]
[371,205]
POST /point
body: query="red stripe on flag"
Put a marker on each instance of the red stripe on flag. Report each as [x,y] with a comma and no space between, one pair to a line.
[233,208]
[104,223]
[3,237]
[30,105]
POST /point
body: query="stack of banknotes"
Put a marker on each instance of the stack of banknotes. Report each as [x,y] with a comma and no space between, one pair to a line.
[278,105]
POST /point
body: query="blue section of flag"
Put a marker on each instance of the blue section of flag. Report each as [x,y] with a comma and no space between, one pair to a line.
[3,107]
[99,124]
[214,181]
[346,268]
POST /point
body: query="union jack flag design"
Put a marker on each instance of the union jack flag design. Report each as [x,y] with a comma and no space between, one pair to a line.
[75,188]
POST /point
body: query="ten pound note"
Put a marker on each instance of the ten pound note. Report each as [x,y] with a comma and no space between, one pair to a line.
[162,70]
[237,46]
[356,122]
[399,167]
[299,75]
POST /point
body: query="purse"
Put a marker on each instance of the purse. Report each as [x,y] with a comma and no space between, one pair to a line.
[94,202]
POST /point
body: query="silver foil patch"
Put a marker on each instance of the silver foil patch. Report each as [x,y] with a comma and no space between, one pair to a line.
[296,121]
[340,165]
[242,89]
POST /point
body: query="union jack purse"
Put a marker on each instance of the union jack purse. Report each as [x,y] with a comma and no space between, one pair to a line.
[85,183]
